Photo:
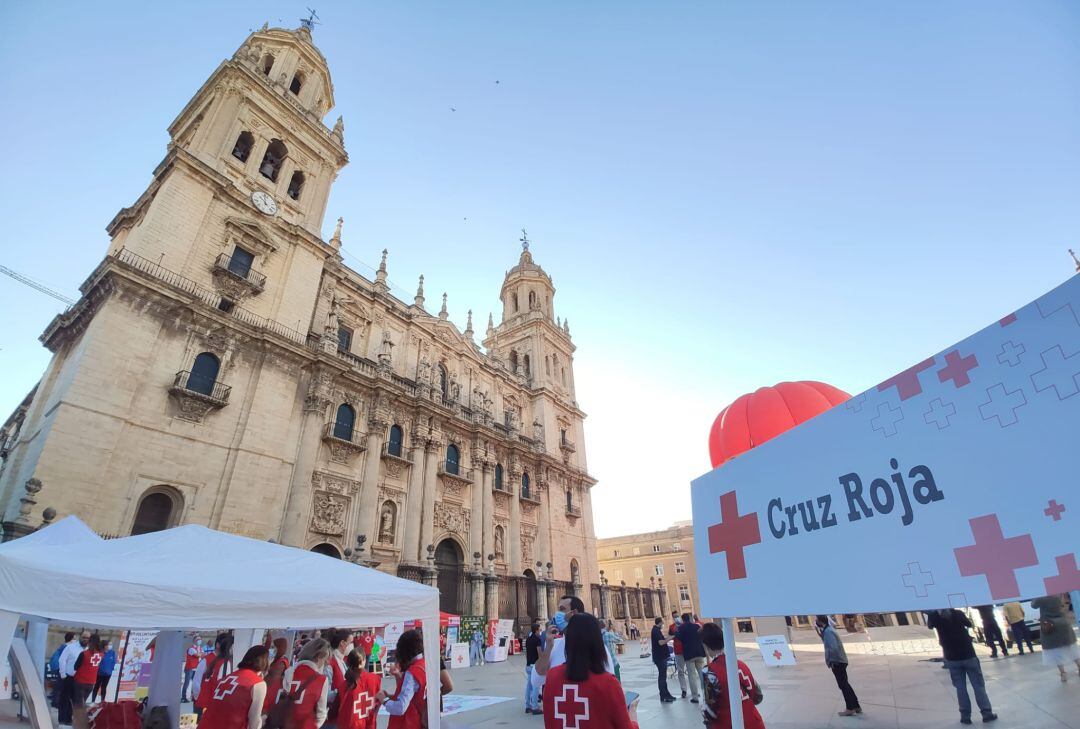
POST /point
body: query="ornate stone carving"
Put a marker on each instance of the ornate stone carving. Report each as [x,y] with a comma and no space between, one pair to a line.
[451,489]
[194,406]
[394,466]
[528,535]
[328,513]
[319,391]
[452,518]
[342,451]
[334,484]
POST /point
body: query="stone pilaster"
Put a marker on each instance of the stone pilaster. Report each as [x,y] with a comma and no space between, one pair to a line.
[294,524]
[427,524]
[412,549]
[488,503]
[491,596]
[605,602]
[514,545]
[369,488]
[476,489]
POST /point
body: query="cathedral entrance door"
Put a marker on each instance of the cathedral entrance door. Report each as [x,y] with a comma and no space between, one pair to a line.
[450,563]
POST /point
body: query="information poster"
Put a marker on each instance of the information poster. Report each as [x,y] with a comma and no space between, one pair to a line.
[391,633]
[135,669]
[775,650]
[459,655]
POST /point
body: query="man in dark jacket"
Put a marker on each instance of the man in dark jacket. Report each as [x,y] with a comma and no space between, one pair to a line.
[952,629]
[660,655]
[837,661]
[991,630]
[693,651]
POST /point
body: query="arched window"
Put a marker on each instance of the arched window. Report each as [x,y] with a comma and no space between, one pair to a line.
[267,63]
[276,152]
[296,185]
[393,446]
[242,149]
[158,509]
[442,382]
[498,476]
[204,372]
[344,421]
[328,549]
[453,459]
[528,367]
[513,361]
[515,300]
[297,83]
[525,485]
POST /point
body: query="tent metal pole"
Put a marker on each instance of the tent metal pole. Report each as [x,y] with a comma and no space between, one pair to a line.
[731,664]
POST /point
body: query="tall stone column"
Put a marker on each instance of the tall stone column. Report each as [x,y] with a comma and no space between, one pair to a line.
[514,547]
[369,487]
[662,595]
[626,601]
[412,549]
[294,524]
[552,598]
[605,601]
[543,530]
[488,506]
[491,584]
[427,524]
[541,593]
[478,526]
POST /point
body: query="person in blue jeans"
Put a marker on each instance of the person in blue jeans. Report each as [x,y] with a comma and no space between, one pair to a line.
[956,644]
[105,671]
[532,654]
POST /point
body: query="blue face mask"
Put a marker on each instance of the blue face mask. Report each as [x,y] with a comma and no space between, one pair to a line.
[560,621]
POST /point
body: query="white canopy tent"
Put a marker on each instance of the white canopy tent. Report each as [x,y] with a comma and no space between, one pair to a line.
[192,577]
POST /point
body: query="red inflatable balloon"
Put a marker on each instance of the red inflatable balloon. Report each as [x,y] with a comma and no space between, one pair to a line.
[766,413]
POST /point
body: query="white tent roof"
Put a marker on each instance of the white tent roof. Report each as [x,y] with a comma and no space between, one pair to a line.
[194,577]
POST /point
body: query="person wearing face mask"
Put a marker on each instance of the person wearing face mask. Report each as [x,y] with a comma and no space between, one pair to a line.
[238,698]
[191,662]
[71,653]
[554,653]
[275,675]
[340,645]
[306,684]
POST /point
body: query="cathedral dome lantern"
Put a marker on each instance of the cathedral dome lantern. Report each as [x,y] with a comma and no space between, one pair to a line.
[527,288]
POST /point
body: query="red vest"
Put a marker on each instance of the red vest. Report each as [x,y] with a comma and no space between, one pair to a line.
[230,701]
[87,671]
[194,655]
[302,715]
[411,718]
[338,681]
[274,677]
[214,668]
[751,717]
[357,708]
[598,702]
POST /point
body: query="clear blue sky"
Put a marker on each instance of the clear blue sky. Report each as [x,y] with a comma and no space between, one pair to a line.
[726,194]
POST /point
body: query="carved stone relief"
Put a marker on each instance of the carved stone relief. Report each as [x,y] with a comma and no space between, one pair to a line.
[328,513]
[452,518]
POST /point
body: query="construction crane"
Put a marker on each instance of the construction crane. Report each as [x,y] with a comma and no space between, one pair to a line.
[35,285]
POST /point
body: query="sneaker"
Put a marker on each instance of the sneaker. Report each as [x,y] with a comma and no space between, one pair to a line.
[965,719]
[693,701]
[989,717]
[846,712]
[858,709]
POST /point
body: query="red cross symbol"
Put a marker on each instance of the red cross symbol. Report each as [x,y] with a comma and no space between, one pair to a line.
[1054,509]
[293,685]
[956,368]
[732,534]
[573,711]
[362,705]
[1067,578]
[907,382]
[995,556]
[225,687]
[777,655]
[95,660]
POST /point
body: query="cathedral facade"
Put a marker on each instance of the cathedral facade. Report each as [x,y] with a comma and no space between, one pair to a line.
[224,367]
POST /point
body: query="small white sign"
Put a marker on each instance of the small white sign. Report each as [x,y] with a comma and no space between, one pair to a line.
[459,655]
[775,650]
[392,632]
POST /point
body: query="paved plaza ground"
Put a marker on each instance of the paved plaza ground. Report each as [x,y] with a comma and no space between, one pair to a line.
[897,692]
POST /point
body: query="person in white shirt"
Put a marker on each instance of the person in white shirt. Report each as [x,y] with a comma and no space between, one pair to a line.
[311,663]
[554,653]
[67,676]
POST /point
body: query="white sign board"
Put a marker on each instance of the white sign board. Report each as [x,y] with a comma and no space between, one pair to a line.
[459,655]
[775,650]
[391,633]
[951,483]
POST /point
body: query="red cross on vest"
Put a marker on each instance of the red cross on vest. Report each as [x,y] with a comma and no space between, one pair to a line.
[362,705]
[225,687]
[572,710]
[732,534]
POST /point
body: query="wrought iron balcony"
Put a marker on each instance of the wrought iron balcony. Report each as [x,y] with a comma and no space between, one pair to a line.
[343,434]
[453,469]
[240,270]
[201,387]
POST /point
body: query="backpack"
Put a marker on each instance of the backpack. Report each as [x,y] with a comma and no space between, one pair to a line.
[280,716]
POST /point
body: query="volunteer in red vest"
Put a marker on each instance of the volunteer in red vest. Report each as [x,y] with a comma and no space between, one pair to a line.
[86,670]
[680,664]
[275,675]
[307,684]
[581,692]
[340,646]
[191,662]
[357,707]
[237,700]
[409,701]
[717,707]
[212,668]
